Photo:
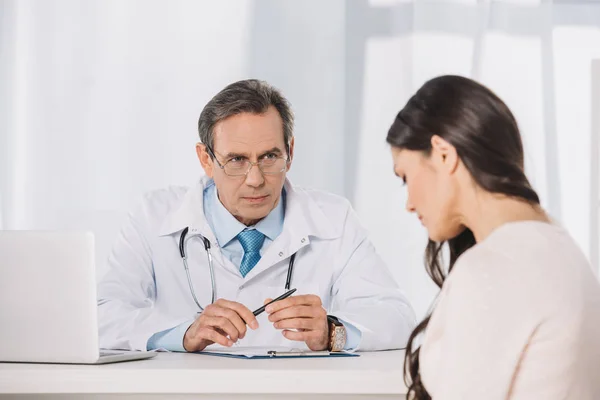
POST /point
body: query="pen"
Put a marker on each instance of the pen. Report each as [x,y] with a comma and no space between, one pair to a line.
[283,296]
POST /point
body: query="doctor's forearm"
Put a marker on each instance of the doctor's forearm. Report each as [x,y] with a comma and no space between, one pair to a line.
[353,336]
[124,327]
[382,327]
[170,339]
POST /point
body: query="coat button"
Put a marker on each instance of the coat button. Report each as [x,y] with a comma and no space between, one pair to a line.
[303,240]
[281,254]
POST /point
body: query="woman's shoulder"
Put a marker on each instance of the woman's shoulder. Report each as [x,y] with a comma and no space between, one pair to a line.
[478,267]
[530,243]
[521,258]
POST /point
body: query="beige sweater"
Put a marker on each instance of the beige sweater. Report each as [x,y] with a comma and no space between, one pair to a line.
[518,318]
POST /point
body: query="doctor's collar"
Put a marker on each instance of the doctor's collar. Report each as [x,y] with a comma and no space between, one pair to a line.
[301,210]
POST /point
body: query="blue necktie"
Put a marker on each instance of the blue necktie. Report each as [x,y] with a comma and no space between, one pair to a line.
[251,240]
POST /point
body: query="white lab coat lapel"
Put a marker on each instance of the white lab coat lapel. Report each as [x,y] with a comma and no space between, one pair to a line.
[303,220]
[190,214]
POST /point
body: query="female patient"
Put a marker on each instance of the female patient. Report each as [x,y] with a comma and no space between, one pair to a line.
[518,314]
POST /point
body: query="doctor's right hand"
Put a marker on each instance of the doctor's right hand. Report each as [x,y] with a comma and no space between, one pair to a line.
[221,322]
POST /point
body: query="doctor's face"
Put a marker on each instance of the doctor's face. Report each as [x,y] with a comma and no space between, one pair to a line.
[251,137]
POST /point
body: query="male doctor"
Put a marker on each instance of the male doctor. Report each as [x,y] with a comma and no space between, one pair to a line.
[190,264]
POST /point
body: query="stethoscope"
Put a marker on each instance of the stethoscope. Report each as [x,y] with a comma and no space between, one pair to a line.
[288,280]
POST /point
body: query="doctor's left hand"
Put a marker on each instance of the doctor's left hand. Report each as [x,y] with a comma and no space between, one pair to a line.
[223,322]
[306,315]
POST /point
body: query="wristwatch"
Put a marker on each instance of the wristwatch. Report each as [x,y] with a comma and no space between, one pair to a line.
[337,334]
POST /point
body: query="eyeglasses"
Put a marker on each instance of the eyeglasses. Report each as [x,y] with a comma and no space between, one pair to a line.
[269,164]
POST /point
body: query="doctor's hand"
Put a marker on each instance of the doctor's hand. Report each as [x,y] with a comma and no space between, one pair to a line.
[221,322]
[306,315]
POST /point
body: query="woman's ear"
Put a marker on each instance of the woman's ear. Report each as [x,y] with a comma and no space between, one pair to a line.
[444,153]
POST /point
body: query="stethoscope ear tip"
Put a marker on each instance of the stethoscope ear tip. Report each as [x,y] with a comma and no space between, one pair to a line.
[182,241]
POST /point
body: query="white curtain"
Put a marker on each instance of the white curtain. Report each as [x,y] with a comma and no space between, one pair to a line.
[100,99]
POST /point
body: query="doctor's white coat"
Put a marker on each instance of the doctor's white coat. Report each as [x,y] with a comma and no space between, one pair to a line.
[146,290]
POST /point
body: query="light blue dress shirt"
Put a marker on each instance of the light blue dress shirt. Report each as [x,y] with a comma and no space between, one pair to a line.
[226,227]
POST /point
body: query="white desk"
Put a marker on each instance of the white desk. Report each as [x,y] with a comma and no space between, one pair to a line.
[186,376]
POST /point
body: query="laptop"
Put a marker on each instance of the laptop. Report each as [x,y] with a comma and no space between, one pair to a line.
[48,311]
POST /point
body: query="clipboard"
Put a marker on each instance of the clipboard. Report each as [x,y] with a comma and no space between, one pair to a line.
[261,353]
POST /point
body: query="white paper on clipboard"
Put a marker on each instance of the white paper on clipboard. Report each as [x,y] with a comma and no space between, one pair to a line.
[269,352]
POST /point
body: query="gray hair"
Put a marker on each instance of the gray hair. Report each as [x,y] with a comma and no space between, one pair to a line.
[252,96]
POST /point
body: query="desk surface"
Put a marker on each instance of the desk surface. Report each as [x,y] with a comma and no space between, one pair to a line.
[371,373]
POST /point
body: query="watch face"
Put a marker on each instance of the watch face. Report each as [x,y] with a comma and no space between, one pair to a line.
[339,339]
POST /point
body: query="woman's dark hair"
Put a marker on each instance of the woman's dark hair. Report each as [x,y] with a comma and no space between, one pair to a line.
[485,134]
